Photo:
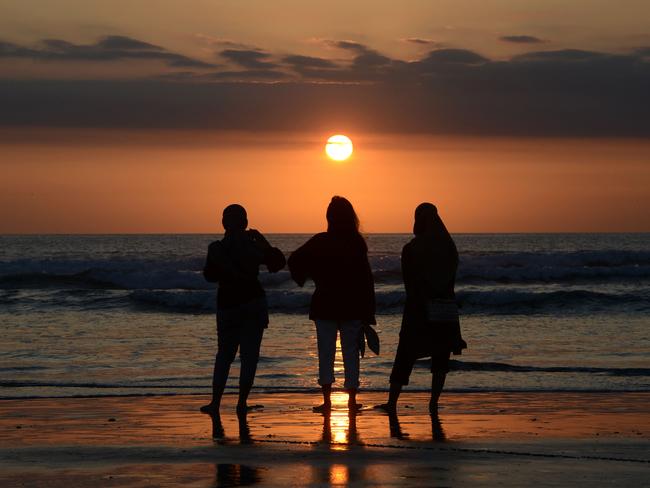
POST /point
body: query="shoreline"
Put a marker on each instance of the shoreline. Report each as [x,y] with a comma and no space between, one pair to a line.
[480,439]
[232,390]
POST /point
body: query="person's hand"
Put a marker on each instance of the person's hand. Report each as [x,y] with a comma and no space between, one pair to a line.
[258,238]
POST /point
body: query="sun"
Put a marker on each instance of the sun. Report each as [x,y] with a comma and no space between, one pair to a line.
[339,147]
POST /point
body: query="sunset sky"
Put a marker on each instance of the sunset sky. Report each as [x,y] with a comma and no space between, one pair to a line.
[142,116]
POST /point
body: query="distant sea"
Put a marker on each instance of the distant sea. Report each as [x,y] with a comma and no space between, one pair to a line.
[132,315]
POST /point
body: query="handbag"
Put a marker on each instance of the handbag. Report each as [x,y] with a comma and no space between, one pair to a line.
[441,310]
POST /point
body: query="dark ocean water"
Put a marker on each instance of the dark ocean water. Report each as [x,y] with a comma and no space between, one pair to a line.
[131,314]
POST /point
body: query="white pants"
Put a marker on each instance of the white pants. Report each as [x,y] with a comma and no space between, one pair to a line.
[326,331]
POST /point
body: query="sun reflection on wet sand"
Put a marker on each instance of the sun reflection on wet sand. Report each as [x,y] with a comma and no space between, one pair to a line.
[339,474]
[339,426]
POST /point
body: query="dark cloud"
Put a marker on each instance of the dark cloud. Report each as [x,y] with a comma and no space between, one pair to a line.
[456,91]
[249,58]
[421,41]
[122,42]
[452,56]
[300,62]
[249,75]
[522,39]
[568,55]
[643,52]
[110,48]
[370,59]
[350,46]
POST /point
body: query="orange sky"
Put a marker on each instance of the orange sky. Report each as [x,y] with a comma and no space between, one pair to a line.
[93,181]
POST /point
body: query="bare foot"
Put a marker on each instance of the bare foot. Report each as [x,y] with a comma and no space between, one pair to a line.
[247,408]
[324,408]
[210,409]
[386,407]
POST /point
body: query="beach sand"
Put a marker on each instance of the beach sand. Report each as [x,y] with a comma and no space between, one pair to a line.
[481,439]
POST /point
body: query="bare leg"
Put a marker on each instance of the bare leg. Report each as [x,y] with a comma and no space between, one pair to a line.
[353,406]
[326,332]
[244,391]
[327,400]
[249,353]
[227,344]
[393,396]
[437,383]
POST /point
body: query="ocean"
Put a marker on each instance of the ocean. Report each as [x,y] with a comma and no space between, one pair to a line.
[92,315]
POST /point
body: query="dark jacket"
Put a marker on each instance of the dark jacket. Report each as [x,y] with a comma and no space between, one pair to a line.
[234,263]
[338,265]
[429,270]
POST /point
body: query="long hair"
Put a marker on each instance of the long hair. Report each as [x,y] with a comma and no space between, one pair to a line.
[341,217]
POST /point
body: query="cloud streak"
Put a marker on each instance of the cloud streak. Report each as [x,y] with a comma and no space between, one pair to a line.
[566,92]
[109,48]
[523,39]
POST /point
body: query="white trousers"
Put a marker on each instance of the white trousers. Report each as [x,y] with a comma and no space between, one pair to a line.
[326,331]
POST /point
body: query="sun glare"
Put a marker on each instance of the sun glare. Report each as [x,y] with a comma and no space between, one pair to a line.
[339,147]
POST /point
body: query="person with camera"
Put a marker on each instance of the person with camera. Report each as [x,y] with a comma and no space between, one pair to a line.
[242,313]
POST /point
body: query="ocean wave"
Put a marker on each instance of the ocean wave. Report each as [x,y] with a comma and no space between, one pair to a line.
[455,365]
[513,301]
[499,301]
[494,267]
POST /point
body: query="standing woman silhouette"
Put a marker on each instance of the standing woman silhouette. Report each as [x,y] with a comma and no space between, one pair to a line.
[344,299]
[430,325]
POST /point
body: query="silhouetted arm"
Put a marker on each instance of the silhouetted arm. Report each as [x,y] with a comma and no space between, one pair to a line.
[211,269]
[369,285]
[273,258]
[220,267]
[299,263]
[408,271]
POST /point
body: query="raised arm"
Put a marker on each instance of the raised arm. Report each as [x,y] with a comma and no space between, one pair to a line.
[272,257]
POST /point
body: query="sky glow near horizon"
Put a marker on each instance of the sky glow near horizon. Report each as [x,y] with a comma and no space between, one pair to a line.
[511,116]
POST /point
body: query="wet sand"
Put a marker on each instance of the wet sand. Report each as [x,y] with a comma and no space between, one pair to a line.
[511,439]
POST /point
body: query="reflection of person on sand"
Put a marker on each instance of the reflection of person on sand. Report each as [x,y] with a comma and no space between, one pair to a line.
[395,427]
[339,434]
[344,299]
[430,325]
[396,432]
[344,433]
[237,475]
[218,432]
[437,432]
[242,313]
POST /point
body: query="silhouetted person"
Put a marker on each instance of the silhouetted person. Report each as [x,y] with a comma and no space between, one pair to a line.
[430,326]
[242,313]
[344,299]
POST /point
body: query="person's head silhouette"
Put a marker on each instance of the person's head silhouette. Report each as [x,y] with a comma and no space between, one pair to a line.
[341,217]
[234,218]
[426,218]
